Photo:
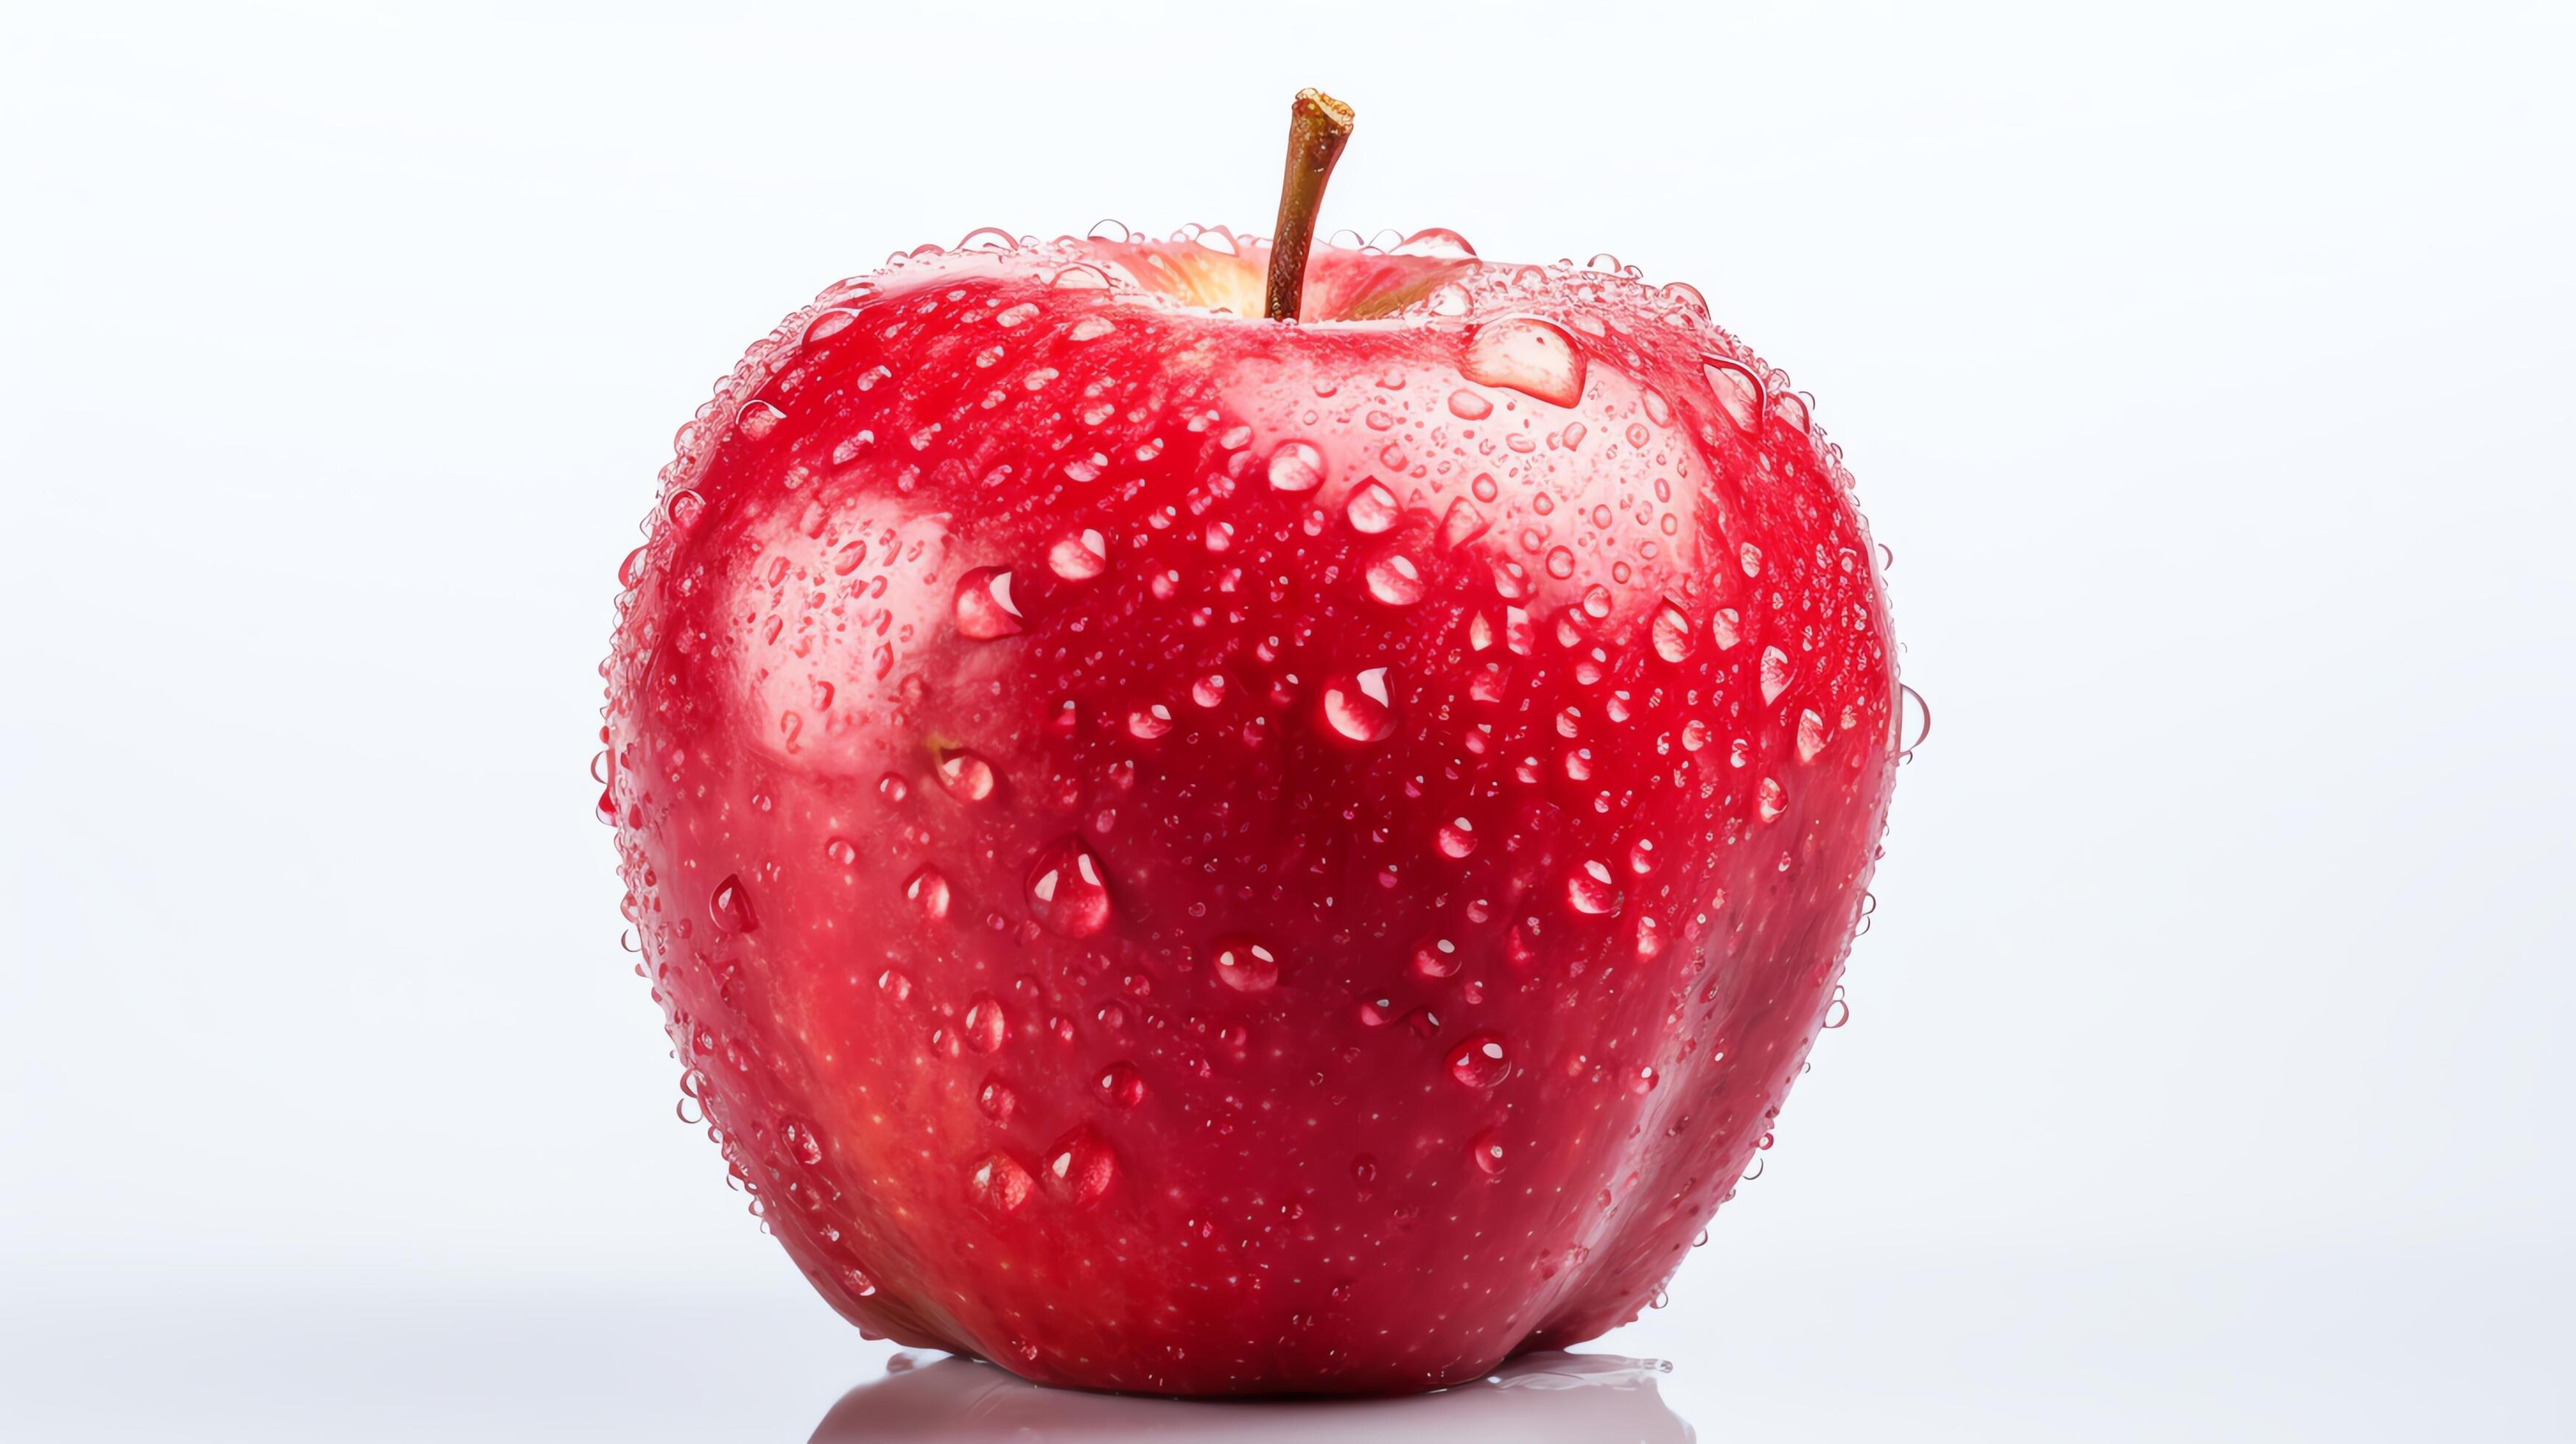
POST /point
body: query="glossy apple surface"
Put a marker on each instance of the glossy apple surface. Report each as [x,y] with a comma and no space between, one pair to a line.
[1196,854]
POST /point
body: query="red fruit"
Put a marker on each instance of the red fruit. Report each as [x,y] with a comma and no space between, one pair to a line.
[1061,720]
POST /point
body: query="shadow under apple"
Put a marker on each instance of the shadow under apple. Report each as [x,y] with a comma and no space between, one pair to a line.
[1537,1399]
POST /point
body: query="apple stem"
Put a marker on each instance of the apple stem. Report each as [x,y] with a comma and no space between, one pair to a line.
[1318,127]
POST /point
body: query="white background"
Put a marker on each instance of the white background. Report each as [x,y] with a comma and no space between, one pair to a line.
[2208,368]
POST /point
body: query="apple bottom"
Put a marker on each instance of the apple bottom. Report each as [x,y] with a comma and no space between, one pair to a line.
[1354,1245]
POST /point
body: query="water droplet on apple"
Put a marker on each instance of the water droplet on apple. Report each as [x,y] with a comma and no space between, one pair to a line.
[1672,633]
[927,889]
[1468,406]
[997,1100]
[1481,1061]
[1909,700]
[1082,1165]
[1749,557]
[1148,723]
[1209,691]
[1078,557]
[1456,837]
[967,777]
[1770,799]
[1066,892]
[1775,673]
[999,1184]
[1296,466]
[1811,735]
[1462,525]
[1436,958]
[1394,580]
[841,851]
[1371,509]
[1534,357]
[1486,1149]
[1246,966]
[1738,390]
[1725,628]
[986,1026]
[1357,707]
[1120,1085]
[1591,889]
[984,607]
[796,1135]
[729,906]
[757,419]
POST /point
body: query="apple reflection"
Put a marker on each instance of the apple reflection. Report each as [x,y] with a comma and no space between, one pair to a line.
[1539,1399]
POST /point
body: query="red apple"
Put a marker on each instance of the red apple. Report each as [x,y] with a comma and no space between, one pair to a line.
[1190,852]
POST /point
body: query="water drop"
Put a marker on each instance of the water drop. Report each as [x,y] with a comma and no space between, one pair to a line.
[1531,356]
[1591,889]
[1394,580]
[1811,735]
[1246,966]
[967,777]
[1120,1085]
[1906,694]
[1672,633]
[1456,837]
[1487,1150]
[927,889]
[797,1136]
[986,1027]
[1082,1165]
[1775,673]
[1468,406]
[1436,958]
[1148,723]
[1480,1061]
[1739,391]
[1066,892]
[1296,466]
[842,851]
[1357,707]
[1000,1184]
[997,1100]
[1371,509]
[984,608]
[1770,799]
[1209,691]
[1463,524]
[757,419]
[1726,628]
[730,906]
[1078,557]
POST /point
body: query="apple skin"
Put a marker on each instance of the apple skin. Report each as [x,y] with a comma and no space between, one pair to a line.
[1199,855]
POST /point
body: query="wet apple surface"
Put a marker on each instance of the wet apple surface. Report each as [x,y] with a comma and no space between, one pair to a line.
[1192,853]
